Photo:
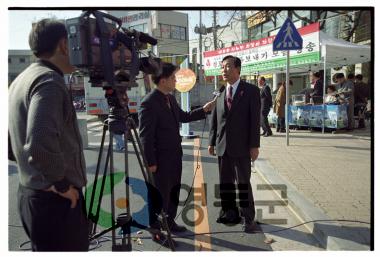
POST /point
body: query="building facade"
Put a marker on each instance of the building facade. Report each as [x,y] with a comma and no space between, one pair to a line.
[170,28]
[18,60]
[228,35]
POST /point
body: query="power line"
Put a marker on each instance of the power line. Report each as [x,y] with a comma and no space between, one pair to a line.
[227,24]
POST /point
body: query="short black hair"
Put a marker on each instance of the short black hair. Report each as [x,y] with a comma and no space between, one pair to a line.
[262,78]
[45,35]
[166,70]
[237,61]
[350,76]
[339,76]
[359,77]
[317,74]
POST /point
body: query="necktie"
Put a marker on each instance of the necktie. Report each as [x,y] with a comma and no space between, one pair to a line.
[167,101]
[229,97]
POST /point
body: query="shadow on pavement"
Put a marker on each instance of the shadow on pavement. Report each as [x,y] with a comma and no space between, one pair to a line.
[360,235]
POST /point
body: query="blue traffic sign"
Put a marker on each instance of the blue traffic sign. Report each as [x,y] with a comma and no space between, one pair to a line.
[287,38]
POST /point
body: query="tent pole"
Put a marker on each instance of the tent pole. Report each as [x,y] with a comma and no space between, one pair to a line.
[324,90]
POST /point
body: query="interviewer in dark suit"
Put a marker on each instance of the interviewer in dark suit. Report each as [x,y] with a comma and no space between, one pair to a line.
[235,135]
[159,118]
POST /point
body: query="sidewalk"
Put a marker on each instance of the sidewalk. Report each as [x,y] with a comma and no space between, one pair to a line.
[332,171]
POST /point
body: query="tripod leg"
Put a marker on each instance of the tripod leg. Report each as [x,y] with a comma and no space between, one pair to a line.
[112,184]
[102,188]
[93,218]
[126,171]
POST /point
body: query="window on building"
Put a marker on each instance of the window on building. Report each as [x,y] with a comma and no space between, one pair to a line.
[254,33]
[165,31]
[22,60]
[182,31]
[175,32]
[9,60]
[172,32]
[363,30]
[280,18]
[266,27]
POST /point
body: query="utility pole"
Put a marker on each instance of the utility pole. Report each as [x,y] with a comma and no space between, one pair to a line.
[215,46]
[214,31]
[287,91]
[200,48]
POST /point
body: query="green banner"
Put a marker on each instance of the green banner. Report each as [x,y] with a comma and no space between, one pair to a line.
[297,60]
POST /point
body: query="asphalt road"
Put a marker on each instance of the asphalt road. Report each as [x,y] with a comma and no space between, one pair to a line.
[198,215]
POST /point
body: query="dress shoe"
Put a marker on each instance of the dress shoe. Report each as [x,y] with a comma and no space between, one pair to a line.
[262,134]
[229,217]
[268,134]
[250,227]
[175,228]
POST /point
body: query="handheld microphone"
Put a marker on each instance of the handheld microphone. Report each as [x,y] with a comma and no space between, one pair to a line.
[216,94]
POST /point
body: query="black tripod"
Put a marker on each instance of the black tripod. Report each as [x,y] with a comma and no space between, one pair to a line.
[124,220]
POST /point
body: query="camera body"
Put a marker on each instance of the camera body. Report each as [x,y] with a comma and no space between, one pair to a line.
[106,52]
[109,55]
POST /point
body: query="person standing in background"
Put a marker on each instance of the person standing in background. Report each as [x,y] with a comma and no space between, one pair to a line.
[346,87]
[317,94]
[266,104]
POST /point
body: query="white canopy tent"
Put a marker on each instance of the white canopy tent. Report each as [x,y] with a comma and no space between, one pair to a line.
[336,52]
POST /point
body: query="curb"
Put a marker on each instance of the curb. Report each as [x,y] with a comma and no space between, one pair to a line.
[331,235]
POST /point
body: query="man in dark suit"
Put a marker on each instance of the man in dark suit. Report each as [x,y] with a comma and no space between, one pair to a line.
[159,118]
[266,104]
[235,135]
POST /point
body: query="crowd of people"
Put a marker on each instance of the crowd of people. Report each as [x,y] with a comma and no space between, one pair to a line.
[353,92]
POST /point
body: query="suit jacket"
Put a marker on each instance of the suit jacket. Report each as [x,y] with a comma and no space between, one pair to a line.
[159,124]
[266,97]
[237,130]
[318,88]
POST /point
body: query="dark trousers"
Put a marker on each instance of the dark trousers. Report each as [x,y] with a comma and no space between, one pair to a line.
[50,223]
[264,120]
[165,194]
[235,173]
[281,123]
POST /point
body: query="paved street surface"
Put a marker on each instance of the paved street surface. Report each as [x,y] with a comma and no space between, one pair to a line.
[319,166]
